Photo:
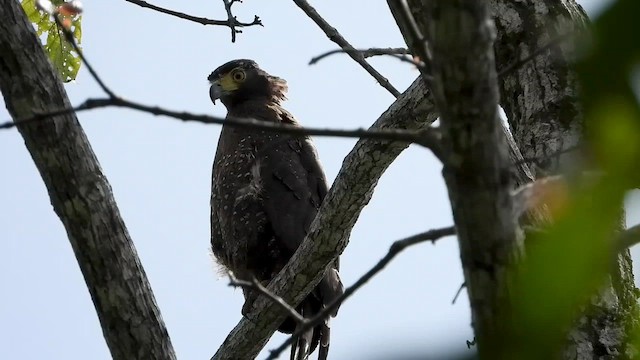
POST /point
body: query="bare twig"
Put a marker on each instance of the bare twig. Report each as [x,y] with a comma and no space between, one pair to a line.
[254,284]
[69,37]
[335,36]
[232,22]
[409,29]
[231,19]
[395,249]
[429,138]
[455,297]
[366,53]
[397,53]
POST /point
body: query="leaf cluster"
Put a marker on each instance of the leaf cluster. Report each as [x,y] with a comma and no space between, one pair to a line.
[60,51]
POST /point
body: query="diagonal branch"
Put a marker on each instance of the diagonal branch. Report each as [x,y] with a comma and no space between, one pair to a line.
[254,284]
[68,35]
[395,249]
[335,36]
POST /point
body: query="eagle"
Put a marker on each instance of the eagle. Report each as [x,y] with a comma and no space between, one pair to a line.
[266,190]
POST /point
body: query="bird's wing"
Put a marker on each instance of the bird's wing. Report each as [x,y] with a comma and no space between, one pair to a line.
[217,245]
[294,187]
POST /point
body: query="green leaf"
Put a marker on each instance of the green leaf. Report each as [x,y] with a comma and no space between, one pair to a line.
[61,53]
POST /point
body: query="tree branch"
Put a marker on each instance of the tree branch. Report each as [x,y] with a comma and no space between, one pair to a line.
[68,35]
[428,137]
[395,249]
[231,22]
[335,36]
[254,284]
[80,195]
[629,238]
[366,53]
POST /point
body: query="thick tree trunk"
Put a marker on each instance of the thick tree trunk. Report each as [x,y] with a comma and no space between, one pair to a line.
[460,35]
[80,195]
[541,103]
[540,100]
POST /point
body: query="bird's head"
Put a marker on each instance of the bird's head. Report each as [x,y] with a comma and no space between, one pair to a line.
[240,80]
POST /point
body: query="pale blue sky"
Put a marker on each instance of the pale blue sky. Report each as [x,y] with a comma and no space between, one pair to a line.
[160,173]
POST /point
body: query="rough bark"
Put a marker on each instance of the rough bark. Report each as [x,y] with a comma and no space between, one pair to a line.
[80,195]
[330,231]
[540,97]
[520,173]
[540,100]
[460,34]
[541,103]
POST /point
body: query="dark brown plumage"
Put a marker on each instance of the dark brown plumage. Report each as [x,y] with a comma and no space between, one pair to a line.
[266,190]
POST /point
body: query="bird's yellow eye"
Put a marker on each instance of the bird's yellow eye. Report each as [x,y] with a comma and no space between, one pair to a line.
[238,75]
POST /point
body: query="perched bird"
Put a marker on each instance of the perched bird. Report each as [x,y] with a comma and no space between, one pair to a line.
[266,190]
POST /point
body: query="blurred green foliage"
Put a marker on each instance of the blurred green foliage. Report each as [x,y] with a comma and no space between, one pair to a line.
[59,50]
[569,263]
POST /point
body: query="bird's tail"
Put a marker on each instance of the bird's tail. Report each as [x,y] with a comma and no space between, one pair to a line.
[329,288]
[316,337]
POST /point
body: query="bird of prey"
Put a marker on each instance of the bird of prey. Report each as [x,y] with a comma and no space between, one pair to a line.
[266,190]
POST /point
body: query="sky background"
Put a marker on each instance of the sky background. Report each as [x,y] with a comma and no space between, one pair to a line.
[160,170]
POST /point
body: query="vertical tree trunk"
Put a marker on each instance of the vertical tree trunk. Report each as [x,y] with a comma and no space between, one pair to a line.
[80,195]
[460,35]
[541,103]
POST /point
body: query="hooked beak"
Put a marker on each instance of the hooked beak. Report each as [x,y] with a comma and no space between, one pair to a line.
[215,91]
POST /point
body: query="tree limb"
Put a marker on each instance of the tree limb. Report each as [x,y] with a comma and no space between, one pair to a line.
[398,53]
[335,36]
[629,237]
[231,22]
[428,137]
[80,195]
[395,249]
[254,284]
